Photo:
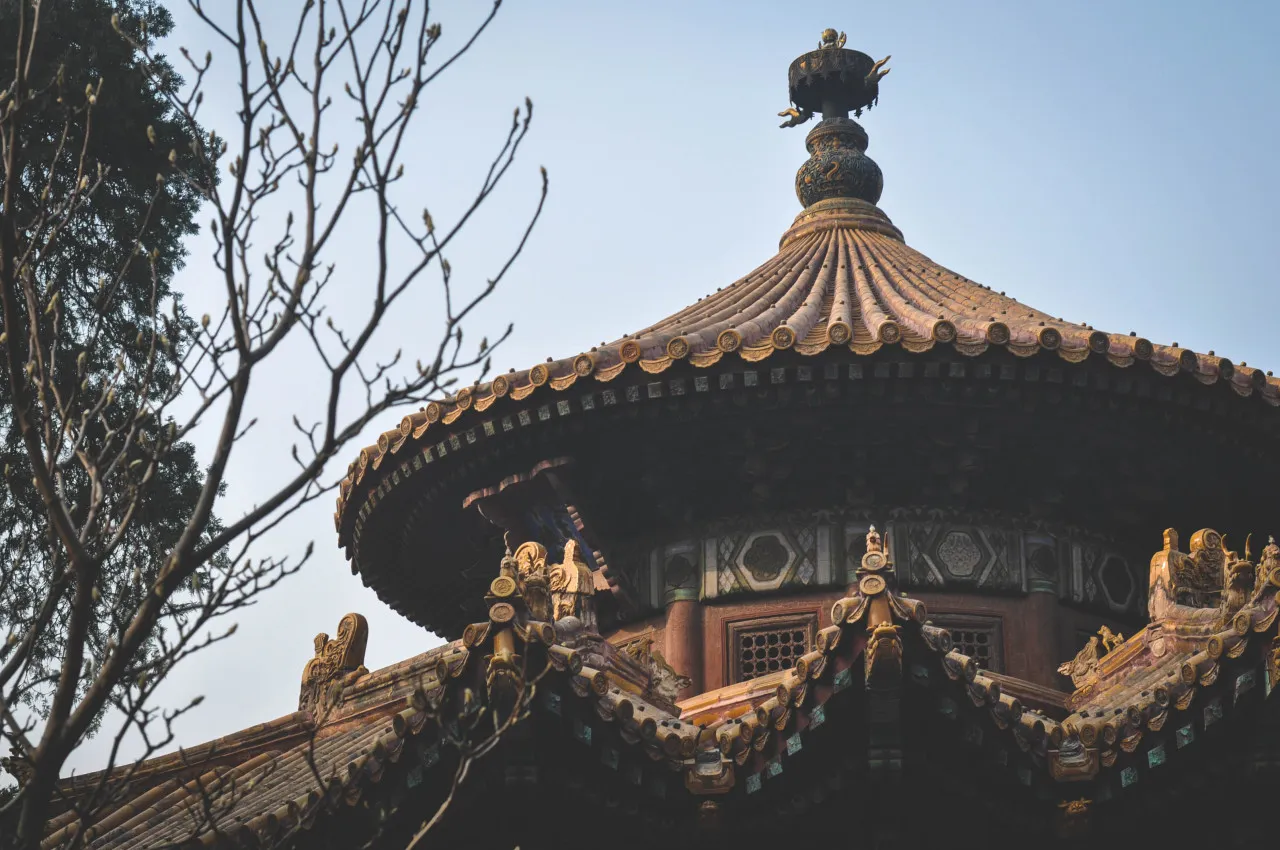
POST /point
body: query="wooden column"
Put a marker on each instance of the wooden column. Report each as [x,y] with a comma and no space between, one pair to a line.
[1041,643]
[682,639]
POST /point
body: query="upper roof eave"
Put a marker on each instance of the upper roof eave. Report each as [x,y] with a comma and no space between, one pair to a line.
[838,284]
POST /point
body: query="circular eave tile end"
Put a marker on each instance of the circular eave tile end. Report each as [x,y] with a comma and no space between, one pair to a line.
[630,351]
[584,365]
[500,386]
[782,337]
[729,341]
[1143,349]
[998,333]
[890,332]
[678,348]
[839,333]
[944,331]
[434,411]
[1099,342]
[1050,339]
[539,375]
[1188,361]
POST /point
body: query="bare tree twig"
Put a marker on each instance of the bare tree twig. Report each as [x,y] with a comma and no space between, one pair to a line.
[113,428]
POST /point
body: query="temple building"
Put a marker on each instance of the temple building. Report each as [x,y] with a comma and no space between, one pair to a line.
[853,547]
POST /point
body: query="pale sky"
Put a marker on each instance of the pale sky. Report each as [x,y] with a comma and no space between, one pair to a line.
[1109,162]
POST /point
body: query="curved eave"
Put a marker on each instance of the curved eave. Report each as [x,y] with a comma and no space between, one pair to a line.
[835,288]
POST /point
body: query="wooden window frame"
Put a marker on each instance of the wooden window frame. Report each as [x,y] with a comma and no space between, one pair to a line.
[977,622]
[794,621]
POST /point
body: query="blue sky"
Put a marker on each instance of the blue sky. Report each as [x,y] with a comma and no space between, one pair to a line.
[1111,163]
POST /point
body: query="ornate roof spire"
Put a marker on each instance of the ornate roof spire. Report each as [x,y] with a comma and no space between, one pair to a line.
[835,82]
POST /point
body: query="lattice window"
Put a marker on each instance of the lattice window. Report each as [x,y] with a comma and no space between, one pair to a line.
[760,647]
[980,638]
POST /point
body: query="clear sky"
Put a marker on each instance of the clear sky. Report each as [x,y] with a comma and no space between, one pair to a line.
[1109,162]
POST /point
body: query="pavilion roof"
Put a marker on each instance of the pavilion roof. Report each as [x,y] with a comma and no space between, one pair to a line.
[1136,708]
[843,281]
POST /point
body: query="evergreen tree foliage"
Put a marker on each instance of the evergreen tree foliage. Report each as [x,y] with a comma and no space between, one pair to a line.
[107,302]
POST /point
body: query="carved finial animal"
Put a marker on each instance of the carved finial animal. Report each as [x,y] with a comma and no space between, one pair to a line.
[795,117]
[1268,565]
[571,586]
[663,678]
[831,40]
[878,72]
[1083,669]
[1110,639]
[18,765]
[875,543]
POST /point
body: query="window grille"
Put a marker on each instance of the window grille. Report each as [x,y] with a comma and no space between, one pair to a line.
[760,647]
[980,638]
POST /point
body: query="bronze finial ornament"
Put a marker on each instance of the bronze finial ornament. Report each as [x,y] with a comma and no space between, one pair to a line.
[831,40]
[835,82]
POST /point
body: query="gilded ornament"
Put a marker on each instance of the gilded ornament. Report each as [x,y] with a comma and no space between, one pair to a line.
[572,587]
[503,586]
[872,585]
[663,679]
[1110,640]
[337,663]
[884,655]
[18,765]
[831,40]
[795,117]
[878,71]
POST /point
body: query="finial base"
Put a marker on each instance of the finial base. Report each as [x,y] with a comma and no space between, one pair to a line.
[850,213]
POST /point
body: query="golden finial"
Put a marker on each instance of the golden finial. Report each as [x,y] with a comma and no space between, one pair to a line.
[831,40]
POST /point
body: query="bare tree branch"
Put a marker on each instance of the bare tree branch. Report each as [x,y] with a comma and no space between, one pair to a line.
[113,427]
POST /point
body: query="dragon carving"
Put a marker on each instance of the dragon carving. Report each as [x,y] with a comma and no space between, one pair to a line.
[337,663]
[1083,669]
